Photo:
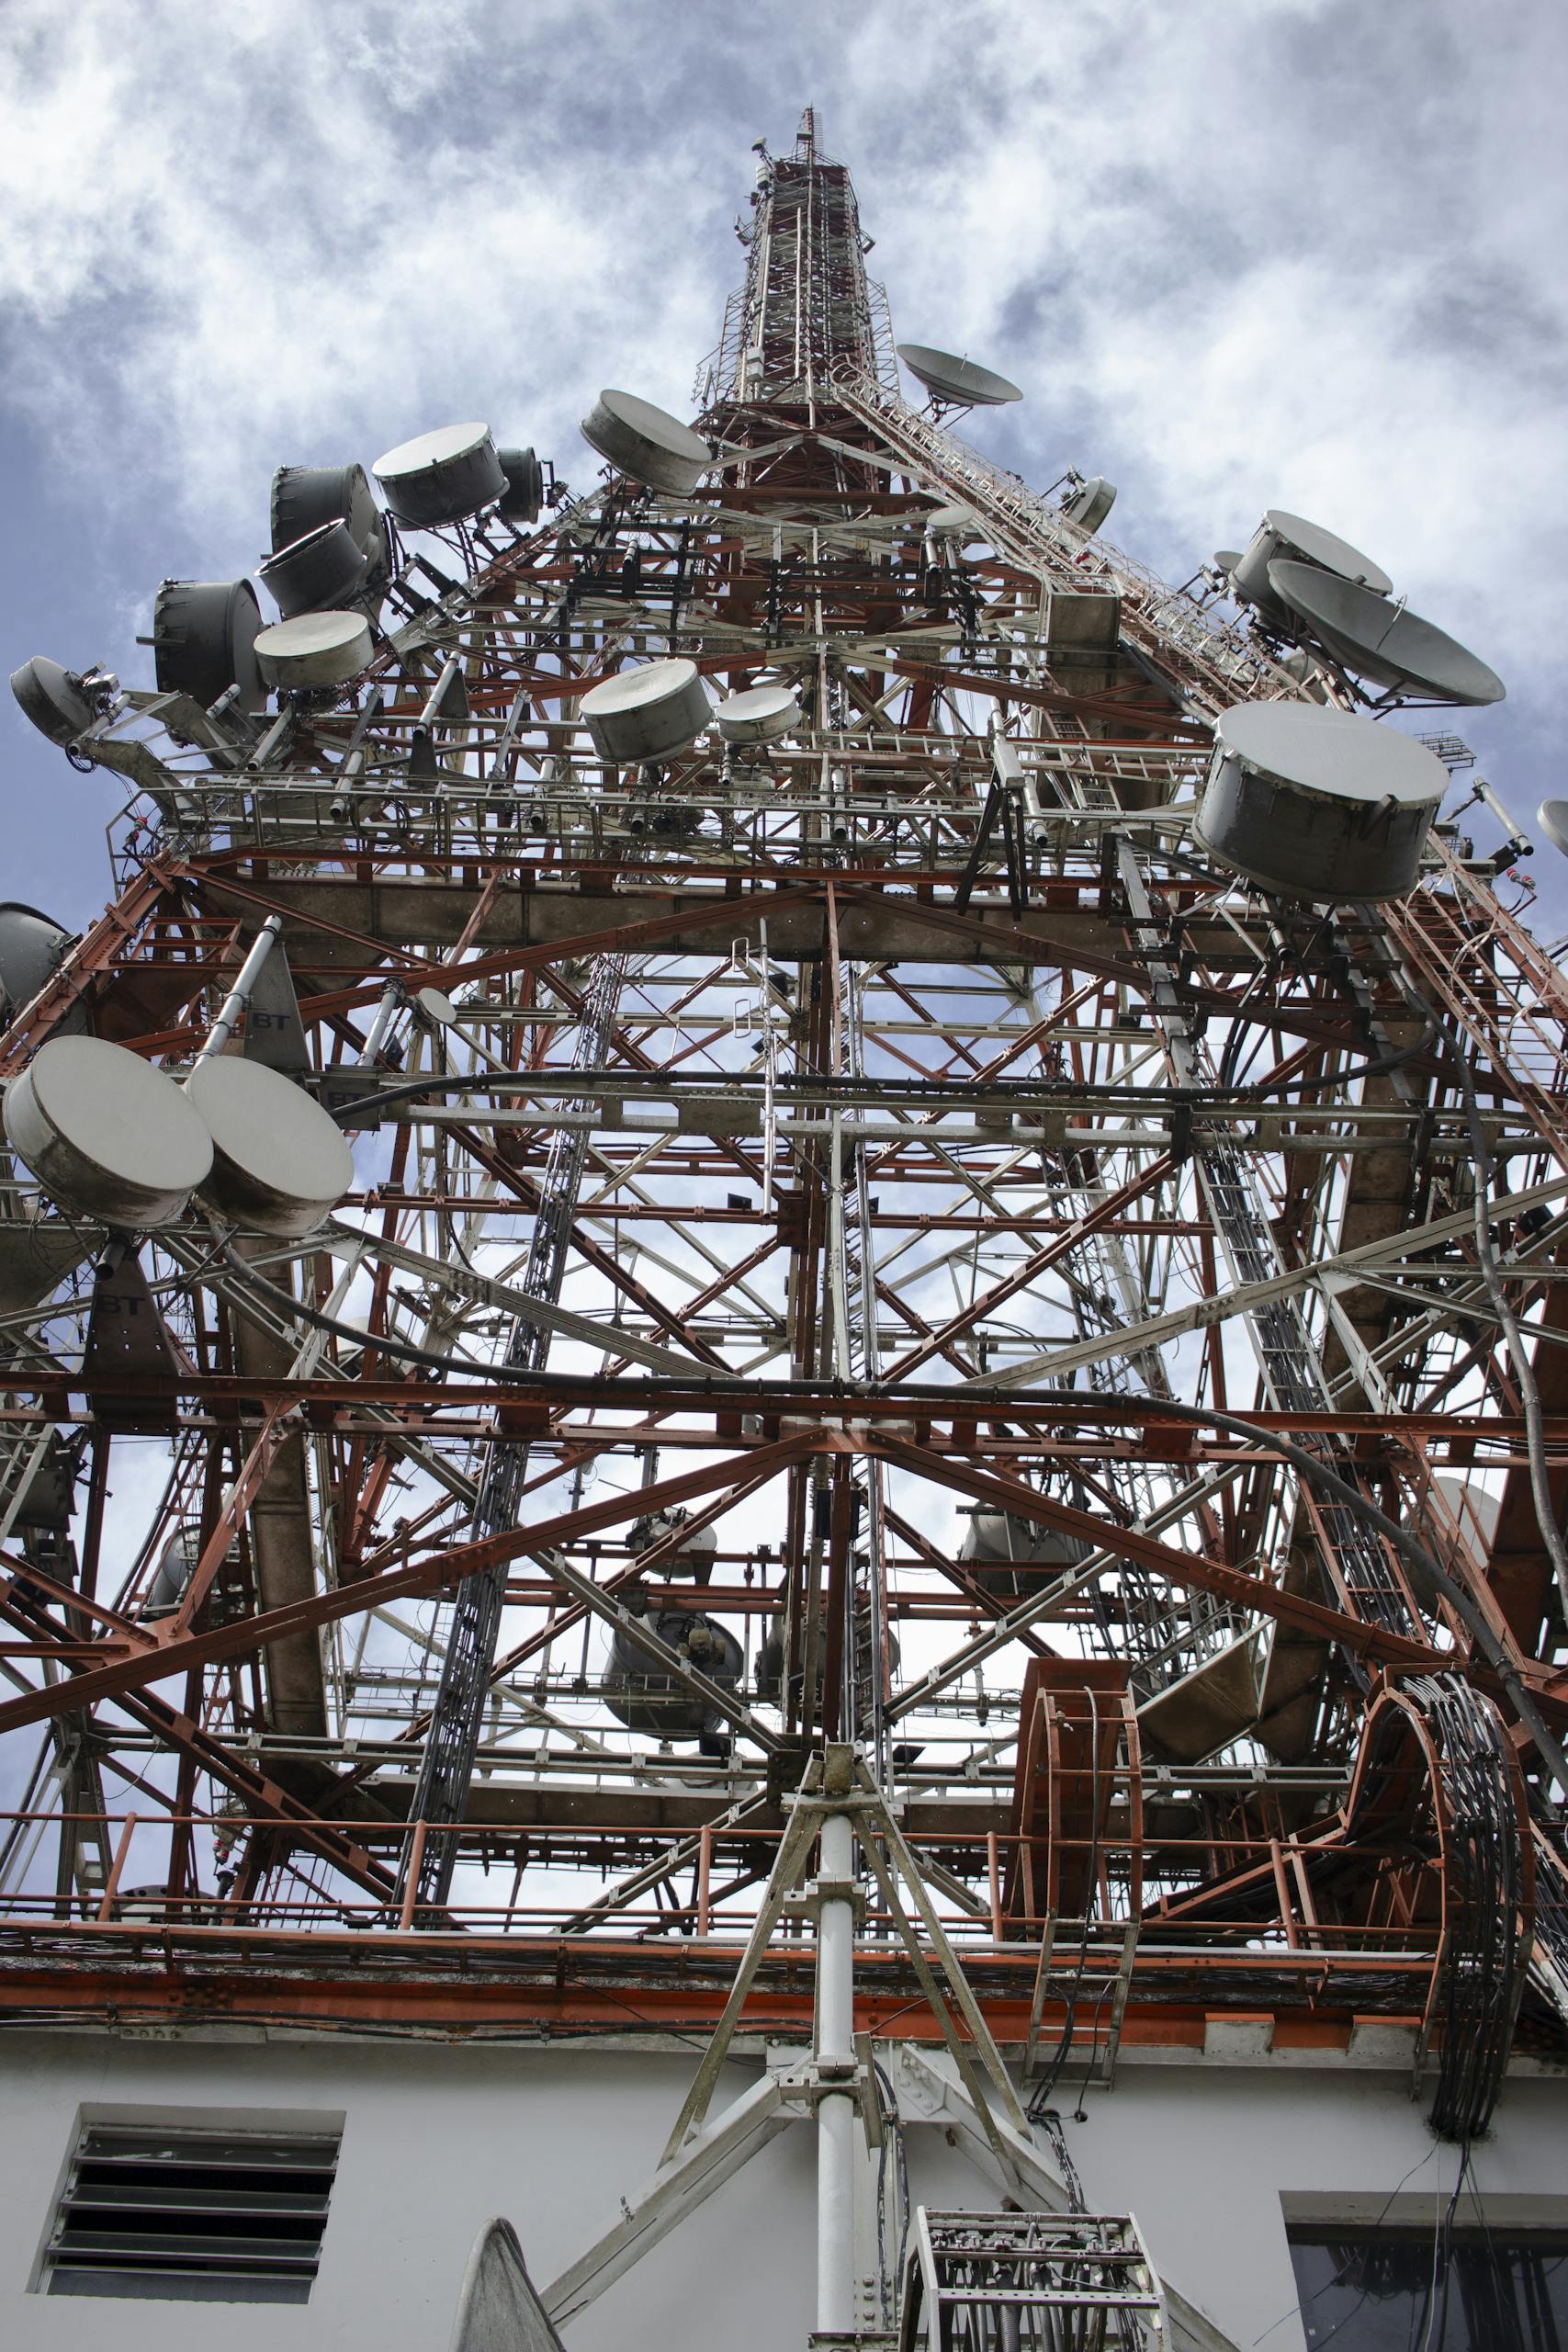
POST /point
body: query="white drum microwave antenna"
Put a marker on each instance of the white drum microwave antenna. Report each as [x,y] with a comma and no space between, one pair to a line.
[1284,537]
[954,381]
[646,713]
[1090,502]
[647,443]
[106,1134]
[280,1163]
[314,650]
[1382,640]
[759,714]
[1318,804]
[958,522]
[441,476]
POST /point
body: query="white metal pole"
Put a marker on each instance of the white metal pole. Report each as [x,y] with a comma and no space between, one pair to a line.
[836,2117]
[238,996]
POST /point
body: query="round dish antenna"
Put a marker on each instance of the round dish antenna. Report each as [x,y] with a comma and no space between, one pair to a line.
[1316,803]
[1381,641]
[51,697]
[1283,537]
[304,497]
[280,1161]
[1552,819]
[325,567]
[437,1007]
[315,650]
[646,713]
[1091,503]
[524,492]
[204,640]
[759,714]
[647,443]
[440,476]
[106,1133]
[956,382]
[32,948]
[958,522]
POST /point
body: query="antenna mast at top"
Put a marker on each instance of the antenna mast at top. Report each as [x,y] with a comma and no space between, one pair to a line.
[808,307]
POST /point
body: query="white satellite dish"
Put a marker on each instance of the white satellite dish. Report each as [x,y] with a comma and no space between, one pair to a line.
[1318,804]
[956,382]
[1383,641]
[1091,503]
[647,443]
[106,1133]
[647,712]
[439,477]
[759,714]
[280,1161]
[314,650]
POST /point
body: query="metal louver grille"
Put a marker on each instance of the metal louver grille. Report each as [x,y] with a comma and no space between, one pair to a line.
[191,2216]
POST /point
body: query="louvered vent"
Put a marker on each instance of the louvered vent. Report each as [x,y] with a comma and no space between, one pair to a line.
[191,2216]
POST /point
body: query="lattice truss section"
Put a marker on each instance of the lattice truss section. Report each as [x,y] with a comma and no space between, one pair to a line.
[865,1235]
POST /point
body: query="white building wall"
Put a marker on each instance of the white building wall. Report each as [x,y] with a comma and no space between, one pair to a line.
[437,2138]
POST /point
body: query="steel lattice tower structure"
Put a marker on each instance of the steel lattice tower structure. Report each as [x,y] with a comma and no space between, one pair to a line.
[877,1265]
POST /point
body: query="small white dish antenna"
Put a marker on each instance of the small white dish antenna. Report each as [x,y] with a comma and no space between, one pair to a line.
[647,712]
[106,1133]
[647,443]
[314,650]
[436,1006]
[1091,503]
[440,476]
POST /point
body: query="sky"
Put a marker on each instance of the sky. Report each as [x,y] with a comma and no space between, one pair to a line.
[1294,252]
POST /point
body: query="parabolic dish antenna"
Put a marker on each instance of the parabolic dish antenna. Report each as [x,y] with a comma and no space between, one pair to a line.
[106,1133]
[304,497]
[436,1006]
[647,712]
[759,714]
[1552,819]
[32,948]
[958,522]
[524,492]
[316,649]
[440,476]
[51,696]
[322,567]
[1290,538]
[1318,804]
[1091,503]
[647,442]
[204,640]
[958,382]
[1381,641]
[280,1161]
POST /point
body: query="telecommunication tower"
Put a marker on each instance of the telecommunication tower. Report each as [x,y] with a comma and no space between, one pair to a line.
[836,1232]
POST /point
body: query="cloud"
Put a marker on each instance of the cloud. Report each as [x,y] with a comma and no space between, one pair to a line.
[1302,253]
